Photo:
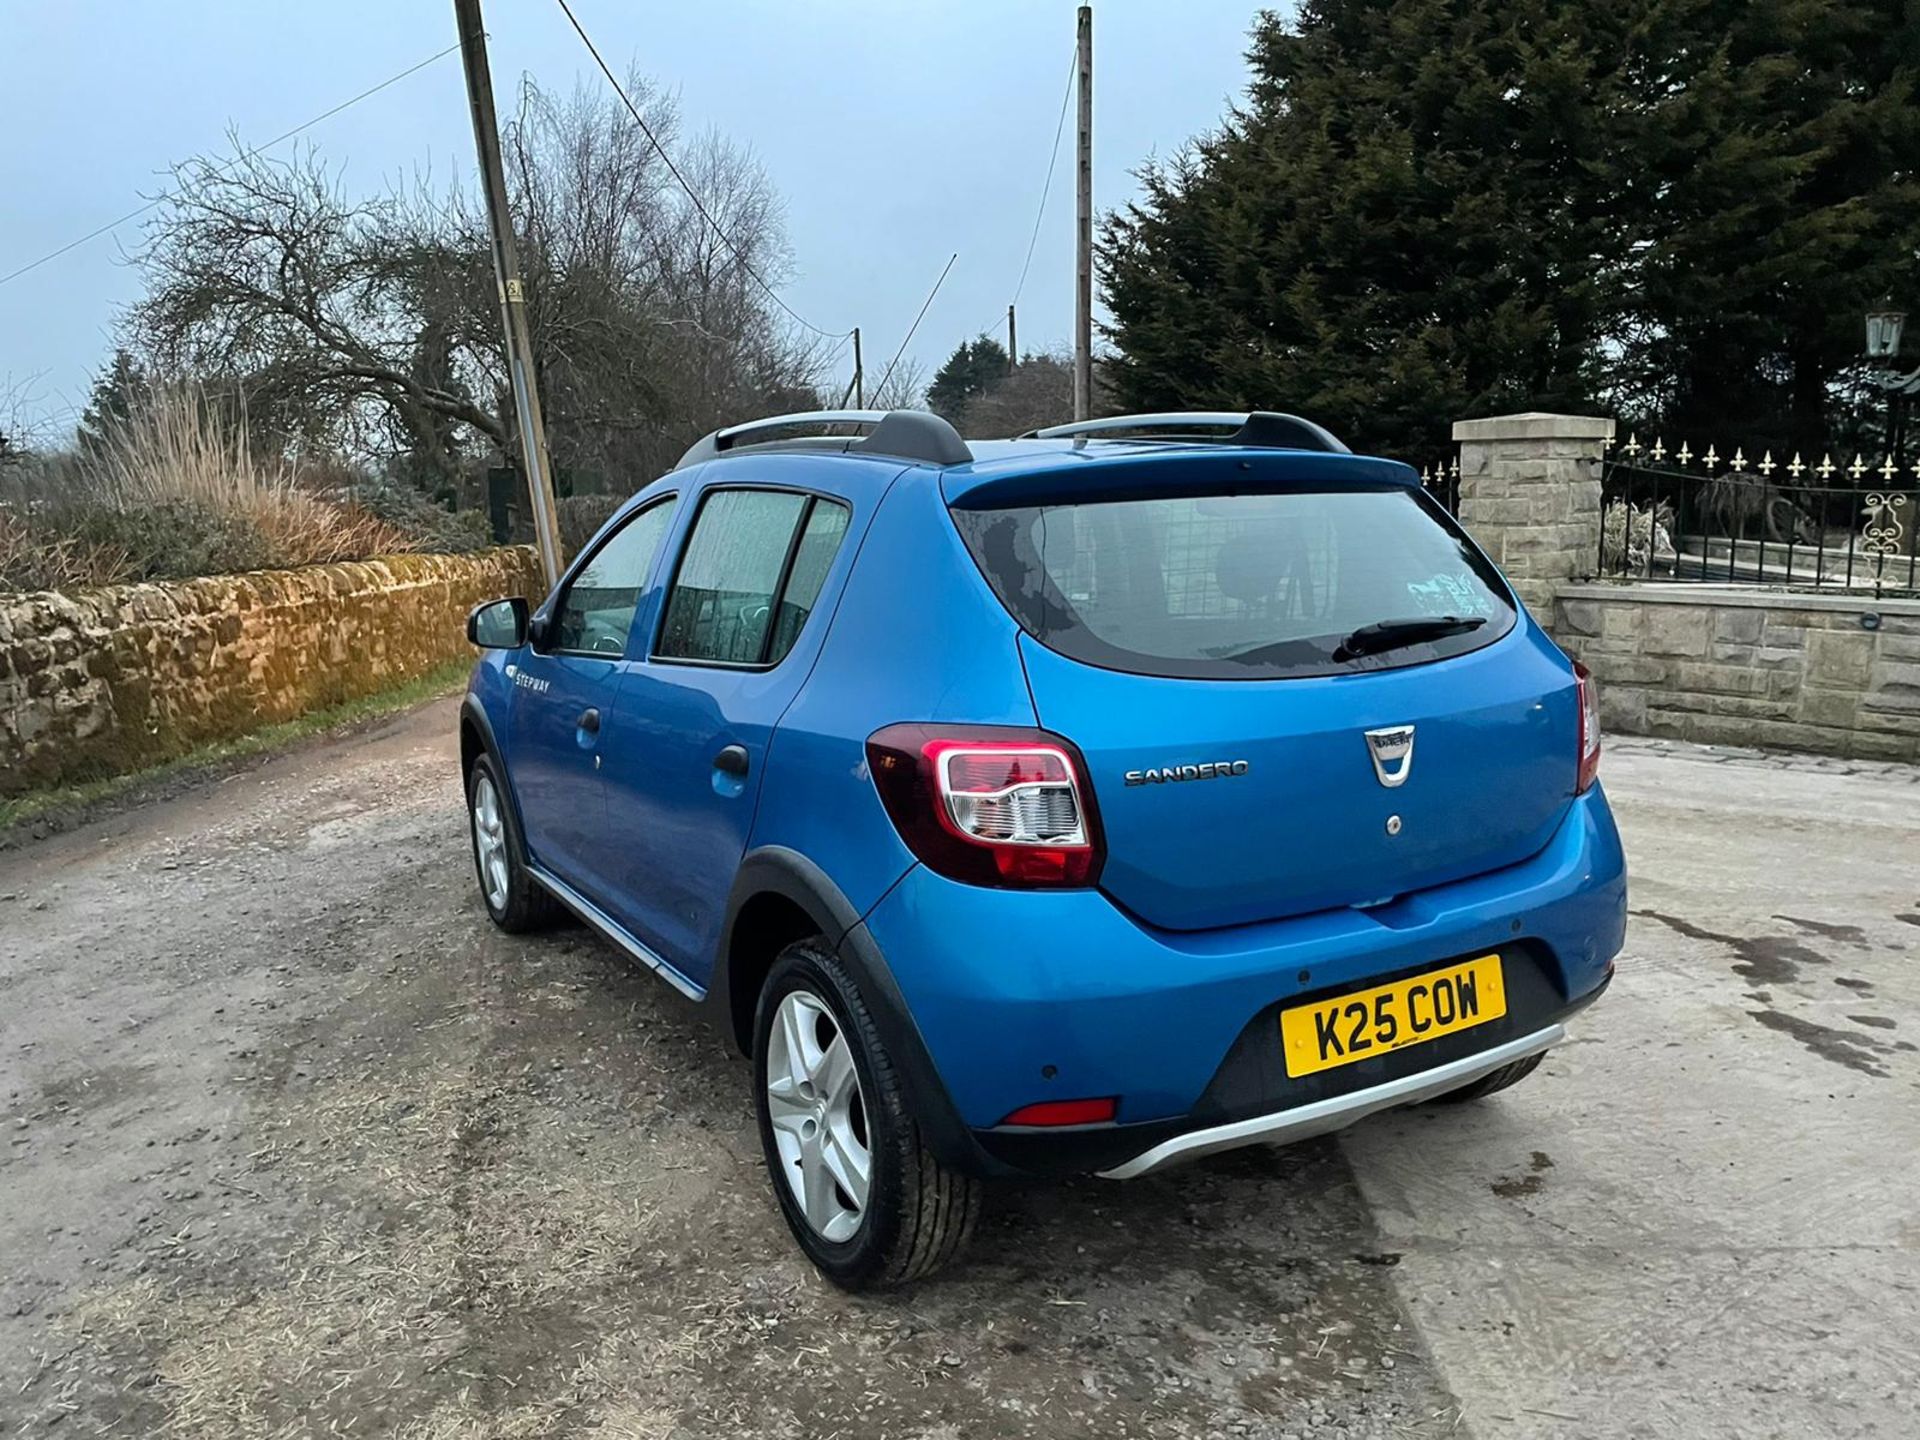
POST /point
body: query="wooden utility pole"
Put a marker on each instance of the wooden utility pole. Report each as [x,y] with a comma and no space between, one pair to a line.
[859,374]
[1083,232]
[1013,344]
[513,300]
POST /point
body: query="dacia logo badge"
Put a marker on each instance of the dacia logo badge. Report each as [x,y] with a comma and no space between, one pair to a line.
[1392,752]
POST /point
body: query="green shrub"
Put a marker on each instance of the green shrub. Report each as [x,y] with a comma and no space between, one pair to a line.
[178,539]
[429,525]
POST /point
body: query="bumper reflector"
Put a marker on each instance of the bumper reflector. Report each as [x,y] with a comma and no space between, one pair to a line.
[1065,1112]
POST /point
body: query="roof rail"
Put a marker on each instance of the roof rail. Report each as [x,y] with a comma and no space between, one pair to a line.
[917,435]
[1266,429]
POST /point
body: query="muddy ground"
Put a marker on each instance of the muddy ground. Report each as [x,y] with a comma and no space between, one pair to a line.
[292,1142]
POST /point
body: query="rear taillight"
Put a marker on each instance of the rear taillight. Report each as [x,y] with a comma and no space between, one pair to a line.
[991,805]
[1589,727]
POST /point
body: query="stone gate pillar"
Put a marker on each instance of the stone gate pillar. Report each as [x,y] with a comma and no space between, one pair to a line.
[1530,494]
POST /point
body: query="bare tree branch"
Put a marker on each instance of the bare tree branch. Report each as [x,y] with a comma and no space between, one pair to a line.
[371,324]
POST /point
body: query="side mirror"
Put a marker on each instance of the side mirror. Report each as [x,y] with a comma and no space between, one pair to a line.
[499,624]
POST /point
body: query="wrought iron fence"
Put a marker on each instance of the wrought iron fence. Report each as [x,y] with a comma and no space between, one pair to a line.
[1441,480]
[1698,516]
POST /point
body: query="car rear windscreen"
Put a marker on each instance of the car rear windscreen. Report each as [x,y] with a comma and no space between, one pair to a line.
[1245,586]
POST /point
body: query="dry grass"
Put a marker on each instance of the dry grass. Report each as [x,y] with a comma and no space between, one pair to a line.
[32,559]
[174,491]
[177,451]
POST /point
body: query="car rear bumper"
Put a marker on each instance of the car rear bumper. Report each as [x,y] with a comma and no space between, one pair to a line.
[1019,997]
[1303,1122]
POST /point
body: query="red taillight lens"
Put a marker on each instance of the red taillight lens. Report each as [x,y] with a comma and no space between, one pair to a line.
[991,805]
[1589,728]
[1065,1112]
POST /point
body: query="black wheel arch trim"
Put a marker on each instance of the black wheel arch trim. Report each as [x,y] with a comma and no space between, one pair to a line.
[471,710]
[775,869]
[772,870]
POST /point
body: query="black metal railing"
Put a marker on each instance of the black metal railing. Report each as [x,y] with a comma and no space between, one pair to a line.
[1829,527]
[1441,480]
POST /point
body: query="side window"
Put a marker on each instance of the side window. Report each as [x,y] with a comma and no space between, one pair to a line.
[819,543]
[597,611]
[727,606]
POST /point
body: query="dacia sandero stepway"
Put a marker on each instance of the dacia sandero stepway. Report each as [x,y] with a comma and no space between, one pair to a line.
[1085,802]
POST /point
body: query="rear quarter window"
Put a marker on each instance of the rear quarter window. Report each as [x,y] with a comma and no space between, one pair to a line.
[1246,586]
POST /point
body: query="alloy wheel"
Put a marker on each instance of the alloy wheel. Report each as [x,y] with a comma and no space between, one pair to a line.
[490,841]
[819,1116]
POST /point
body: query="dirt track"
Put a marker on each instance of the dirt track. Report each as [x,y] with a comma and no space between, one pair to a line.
[294,1143]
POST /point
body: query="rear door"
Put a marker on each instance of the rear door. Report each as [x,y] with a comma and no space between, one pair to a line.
[1263,737]
[689,744]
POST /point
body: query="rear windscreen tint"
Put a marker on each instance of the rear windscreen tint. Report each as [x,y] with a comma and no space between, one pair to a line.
[1240,586]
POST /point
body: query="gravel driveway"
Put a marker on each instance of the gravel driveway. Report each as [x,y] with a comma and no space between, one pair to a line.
[291,1142]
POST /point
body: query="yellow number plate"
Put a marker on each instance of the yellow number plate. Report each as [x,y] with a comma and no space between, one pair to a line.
[1367,1023]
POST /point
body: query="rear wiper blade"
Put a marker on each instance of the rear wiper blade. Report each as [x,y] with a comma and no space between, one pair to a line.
[1385,635]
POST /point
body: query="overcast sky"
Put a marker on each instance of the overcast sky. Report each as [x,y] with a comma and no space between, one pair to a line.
[897,133]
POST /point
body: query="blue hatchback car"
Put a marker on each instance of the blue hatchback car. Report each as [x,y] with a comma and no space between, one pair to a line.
[1085,802]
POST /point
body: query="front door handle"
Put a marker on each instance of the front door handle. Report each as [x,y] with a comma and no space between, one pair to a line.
[732,760]
[590,721]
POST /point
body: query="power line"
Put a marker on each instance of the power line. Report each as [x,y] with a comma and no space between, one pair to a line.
[1046,192]
[1059,129]
[887,375]
[828,365]
[698,204]
[167,195]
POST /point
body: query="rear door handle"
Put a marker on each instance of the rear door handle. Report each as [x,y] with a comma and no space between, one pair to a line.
[590,721]
[732,760]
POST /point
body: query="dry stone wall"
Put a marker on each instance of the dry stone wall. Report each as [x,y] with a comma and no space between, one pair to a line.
[1839,675]
[104,681]
[1722,664]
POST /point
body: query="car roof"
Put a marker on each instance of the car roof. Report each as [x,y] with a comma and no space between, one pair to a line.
[1056,469]
[1265,448]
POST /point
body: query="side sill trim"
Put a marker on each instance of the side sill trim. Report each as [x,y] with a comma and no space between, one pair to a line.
[1305,1121]
[599,920]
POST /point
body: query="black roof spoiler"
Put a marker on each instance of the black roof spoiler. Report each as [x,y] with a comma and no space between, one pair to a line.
[1265,429]
[916,435]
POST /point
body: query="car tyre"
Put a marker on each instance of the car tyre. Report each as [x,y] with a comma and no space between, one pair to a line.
[515,901]
[827,1093]
[1494,1080]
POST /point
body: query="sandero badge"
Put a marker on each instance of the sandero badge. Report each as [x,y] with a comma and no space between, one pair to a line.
[1212,770]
